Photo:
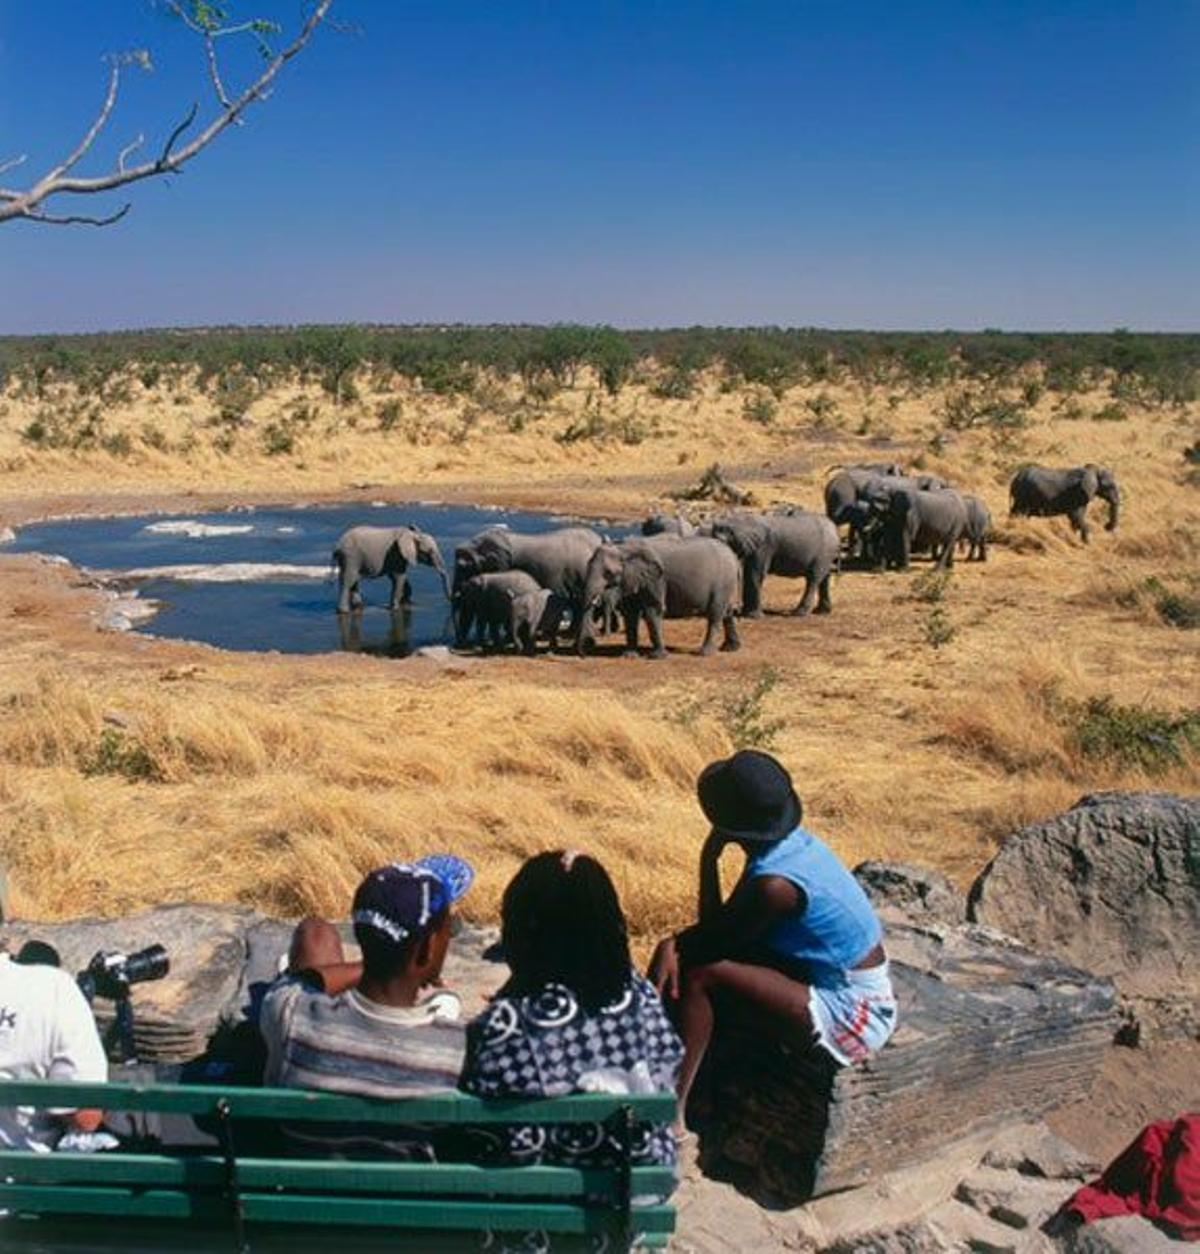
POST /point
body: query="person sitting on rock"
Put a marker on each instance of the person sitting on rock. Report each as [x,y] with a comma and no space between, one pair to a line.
[574,1016]
[797,942]
[379,1027]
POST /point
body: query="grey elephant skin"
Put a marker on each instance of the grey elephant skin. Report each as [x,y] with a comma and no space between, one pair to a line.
[979,524]
[556,559]
[668,524]
[918,520]
[484,602]
[661,578]
[842,490]
[371,552]
[798,545]
[534,616]
[1045,492]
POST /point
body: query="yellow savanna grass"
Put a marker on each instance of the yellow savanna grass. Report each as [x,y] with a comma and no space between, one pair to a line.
[127,780]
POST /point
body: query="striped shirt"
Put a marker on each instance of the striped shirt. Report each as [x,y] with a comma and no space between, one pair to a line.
[349,1044]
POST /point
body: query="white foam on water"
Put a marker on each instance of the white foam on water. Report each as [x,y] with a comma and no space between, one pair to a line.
[197,530]
[286,531]
[225,572]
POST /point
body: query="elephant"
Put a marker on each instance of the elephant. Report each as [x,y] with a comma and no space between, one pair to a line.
[369,552]
[658,578]
[918,519]
[782,544]
[668,524]
[533,616]
[556,559]
[979,523]
[1042,492]
[485,603]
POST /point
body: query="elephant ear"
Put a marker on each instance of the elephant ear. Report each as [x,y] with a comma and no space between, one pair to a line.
[495,551]
[1089,479]
[743,535]
[406,543]
[644,577]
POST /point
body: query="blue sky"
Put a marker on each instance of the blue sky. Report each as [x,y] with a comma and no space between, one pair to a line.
[639,162]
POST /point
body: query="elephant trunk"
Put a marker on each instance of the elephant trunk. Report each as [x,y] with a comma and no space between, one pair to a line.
[1114,511]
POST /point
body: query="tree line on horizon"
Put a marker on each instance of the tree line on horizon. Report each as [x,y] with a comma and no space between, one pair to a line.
[1155,367]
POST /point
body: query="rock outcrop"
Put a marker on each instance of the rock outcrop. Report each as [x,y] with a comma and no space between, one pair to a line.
[990,1034]
[917,893]
[1114,885]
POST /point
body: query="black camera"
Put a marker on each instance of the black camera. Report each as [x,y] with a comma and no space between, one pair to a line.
[111,974]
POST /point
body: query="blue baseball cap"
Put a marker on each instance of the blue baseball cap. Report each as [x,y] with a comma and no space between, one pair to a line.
[402,900]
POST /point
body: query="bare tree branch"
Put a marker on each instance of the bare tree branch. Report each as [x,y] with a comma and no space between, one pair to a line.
[24,204]
[12,163]
[127,150]
[77,219]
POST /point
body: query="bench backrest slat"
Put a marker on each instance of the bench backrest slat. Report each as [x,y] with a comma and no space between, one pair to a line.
[207,1171]
[296,1105]
[323,1209]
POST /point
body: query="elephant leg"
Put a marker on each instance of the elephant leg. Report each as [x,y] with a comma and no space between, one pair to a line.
[824,604]
[654,626]
[732,642]
[632,614]
[805,604]
[982,548]
[345,583]
[525,637]
[395,601]
[1078,519]
[356,596]
[946,557]
[406,592]
[752,582]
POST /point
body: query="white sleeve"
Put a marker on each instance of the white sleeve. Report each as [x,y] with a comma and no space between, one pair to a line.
[275,1021]
[76,1051]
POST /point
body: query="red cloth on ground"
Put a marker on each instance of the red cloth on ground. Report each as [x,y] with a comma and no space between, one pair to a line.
[1158,1177]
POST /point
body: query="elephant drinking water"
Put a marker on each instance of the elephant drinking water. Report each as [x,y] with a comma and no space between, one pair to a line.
[369,552]
[1043,491]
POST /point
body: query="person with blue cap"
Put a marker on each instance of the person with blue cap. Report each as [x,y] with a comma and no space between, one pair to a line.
[379,1026]
[796,943]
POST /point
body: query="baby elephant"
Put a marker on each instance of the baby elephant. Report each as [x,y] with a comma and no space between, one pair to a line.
[534,616]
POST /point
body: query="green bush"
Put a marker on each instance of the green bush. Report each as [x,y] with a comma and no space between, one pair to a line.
[939,630]
[1137,736]
[931,586]
[389,414]
[118,754]
[967,409]
[822,407]
[677,384]
[743,715]
[761,408]
[1112,412]
[118,444]
[279,439]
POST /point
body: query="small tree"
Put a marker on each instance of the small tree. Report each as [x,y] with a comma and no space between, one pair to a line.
[210,22]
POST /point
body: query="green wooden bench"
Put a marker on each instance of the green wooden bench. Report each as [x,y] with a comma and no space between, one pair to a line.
[259,1198]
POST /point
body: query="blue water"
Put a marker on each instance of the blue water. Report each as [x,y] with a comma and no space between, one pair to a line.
[288,614]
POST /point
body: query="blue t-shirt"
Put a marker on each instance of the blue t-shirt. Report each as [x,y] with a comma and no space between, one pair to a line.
[838,928]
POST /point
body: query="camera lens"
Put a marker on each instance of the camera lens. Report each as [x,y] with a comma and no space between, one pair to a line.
[150,963]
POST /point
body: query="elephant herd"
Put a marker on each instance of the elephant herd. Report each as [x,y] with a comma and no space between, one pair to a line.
[511,589]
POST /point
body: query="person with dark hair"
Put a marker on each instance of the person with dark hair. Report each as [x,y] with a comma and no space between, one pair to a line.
[574,1016]
[797,942]
[381,1026]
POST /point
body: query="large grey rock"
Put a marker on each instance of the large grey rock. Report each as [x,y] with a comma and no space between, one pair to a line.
[1128,1235]
[916,892]
[990,1034]
[1114,885]
[173,1017]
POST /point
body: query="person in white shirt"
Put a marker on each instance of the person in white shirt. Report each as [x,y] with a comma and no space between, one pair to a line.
[47,1032]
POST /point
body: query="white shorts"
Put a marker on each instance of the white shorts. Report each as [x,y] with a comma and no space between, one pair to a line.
[855,1019]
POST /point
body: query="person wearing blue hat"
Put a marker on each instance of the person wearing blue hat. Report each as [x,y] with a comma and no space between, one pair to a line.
[380,1026]
[796,943]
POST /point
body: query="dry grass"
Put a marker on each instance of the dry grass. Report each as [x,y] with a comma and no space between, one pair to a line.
[127,778]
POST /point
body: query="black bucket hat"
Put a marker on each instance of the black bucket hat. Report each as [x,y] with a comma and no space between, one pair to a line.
[749,797]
